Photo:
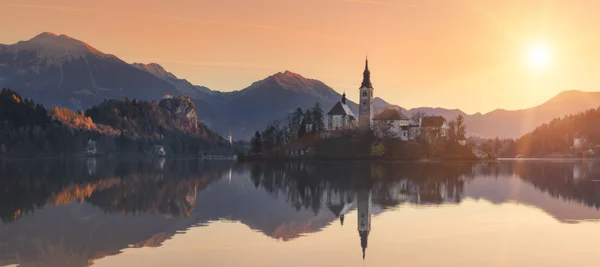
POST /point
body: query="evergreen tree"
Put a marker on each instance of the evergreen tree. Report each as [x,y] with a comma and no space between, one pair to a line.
[308,117]
[317,118]
[461,128]
[452,134]
[296,121]
[302,130]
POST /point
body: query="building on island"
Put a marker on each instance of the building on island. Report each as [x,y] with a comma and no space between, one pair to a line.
[392,123]
[433,127]
[340,117]
[389,123]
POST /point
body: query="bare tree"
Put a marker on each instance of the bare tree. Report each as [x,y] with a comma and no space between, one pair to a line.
[384,129]
[417,115]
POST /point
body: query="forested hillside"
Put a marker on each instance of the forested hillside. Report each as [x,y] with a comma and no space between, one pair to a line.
[119,127]
[558,136]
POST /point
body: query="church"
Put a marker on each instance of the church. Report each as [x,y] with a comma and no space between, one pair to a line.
[395,124]
[341,117]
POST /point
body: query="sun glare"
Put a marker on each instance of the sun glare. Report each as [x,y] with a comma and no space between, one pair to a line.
[538,56]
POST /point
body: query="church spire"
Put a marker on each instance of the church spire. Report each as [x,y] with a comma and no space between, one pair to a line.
[366,83]
[364,236]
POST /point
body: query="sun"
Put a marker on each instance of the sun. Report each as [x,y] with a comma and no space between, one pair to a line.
[538,56]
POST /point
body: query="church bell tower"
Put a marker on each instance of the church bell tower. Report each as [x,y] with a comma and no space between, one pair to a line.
[365,105]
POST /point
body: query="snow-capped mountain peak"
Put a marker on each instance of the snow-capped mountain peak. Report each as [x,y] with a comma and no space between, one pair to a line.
[55,49]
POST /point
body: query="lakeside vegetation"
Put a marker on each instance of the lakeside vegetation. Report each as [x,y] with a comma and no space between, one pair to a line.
[132,127]
[575,135]
[281,140]
[119,127]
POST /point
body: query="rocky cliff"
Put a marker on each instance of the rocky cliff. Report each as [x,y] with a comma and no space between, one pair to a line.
[181,106]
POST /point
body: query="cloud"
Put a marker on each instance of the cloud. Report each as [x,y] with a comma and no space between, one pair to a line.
[210,65]
[223,64]
[219,22]
[156,16]
[53,8]
[367,2]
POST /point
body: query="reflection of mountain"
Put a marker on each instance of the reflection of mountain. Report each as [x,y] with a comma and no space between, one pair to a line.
[566,190]
[70,234]
[74,212]
[125,187]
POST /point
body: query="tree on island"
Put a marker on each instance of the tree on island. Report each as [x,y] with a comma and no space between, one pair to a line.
[457,129]
[461,128]
[384,129]
[257,143]
[417,116]
[317,118]
[302,129]
[296,121]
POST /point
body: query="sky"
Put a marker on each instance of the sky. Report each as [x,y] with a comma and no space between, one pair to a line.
[476,55]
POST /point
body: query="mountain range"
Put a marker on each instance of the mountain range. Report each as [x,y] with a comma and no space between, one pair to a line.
[58,70]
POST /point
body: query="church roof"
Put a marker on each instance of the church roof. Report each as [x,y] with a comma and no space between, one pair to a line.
[340,109]
[336,209]
[339,209]
[433,121]
[390,115]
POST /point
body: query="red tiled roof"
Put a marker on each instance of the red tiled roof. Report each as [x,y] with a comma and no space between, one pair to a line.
[433,121]
[390,115]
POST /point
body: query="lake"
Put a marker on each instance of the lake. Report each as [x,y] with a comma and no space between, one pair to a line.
[164,212]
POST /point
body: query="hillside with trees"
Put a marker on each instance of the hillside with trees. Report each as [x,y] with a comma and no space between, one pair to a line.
[576,135]
[118,126]
[557,138]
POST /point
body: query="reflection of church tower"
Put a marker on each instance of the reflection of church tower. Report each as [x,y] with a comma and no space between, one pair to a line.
[364,203]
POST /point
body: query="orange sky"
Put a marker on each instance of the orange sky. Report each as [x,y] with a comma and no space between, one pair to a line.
[467,54]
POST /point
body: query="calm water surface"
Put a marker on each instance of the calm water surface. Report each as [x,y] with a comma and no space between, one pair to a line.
[199,213]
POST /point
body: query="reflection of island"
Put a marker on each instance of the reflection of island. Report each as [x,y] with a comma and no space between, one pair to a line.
[76,212]
[56,213]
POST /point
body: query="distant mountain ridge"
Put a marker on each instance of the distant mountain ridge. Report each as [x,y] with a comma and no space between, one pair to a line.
[272,98]
[512,123]
[58,70]
[182,85]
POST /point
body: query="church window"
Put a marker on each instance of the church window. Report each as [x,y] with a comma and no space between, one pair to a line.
[365,93]
[364,102]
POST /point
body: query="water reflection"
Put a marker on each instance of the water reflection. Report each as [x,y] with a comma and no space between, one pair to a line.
[70,213]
